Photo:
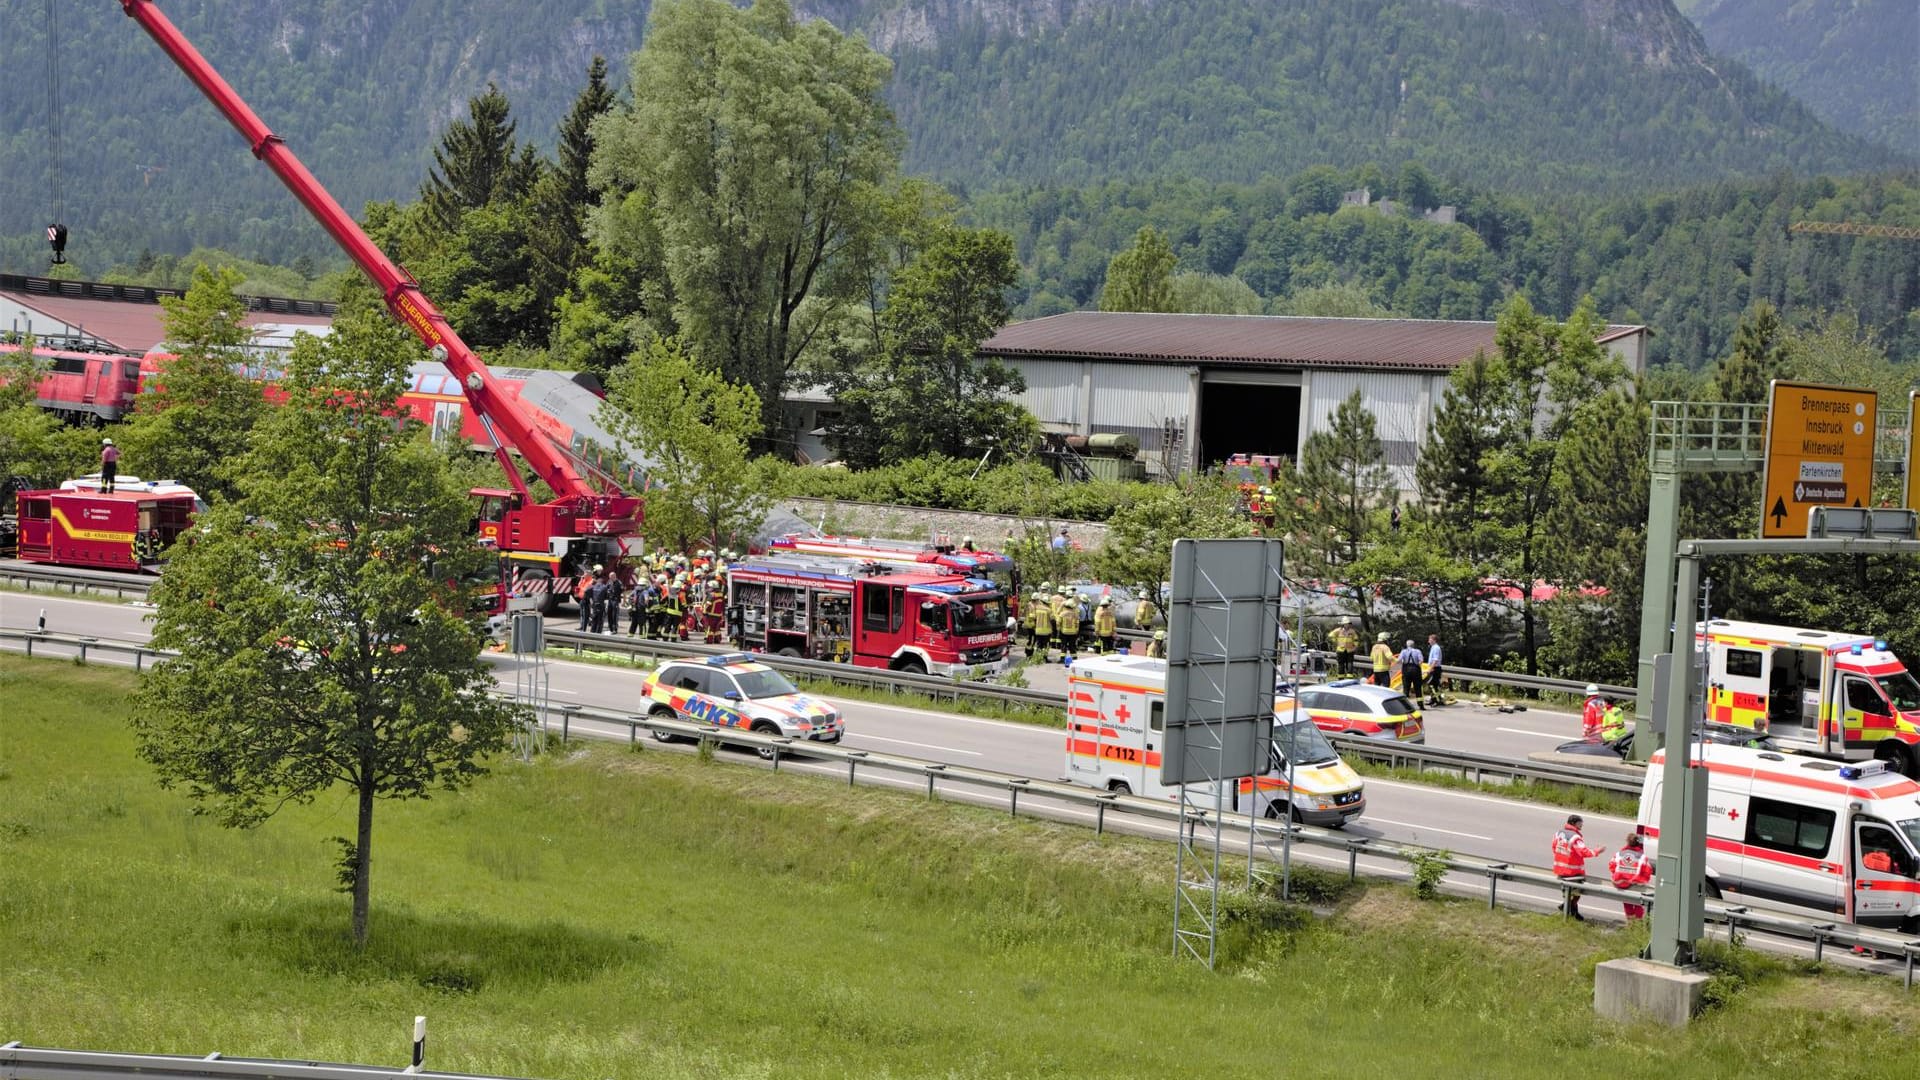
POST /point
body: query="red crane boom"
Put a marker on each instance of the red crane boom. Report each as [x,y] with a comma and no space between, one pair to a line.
[590,511]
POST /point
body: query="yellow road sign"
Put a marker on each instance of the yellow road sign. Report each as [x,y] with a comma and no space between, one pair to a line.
[1913,450]
[1819,453]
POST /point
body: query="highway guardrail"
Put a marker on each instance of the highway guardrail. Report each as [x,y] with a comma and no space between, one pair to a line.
[941,779]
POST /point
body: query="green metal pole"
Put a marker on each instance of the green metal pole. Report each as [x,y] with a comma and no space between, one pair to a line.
[1679,879]
[1656,611]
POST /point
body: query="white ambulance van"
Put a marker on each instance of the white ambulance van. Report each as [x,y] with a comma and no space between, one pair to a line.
[1116,707]
[1816,691]
[1805,833]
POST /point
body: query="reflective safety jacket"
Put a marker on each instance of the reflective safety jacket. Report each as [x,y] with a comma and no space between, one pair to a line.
[1103,622]
[1043,620]
[1613,723]
[1382,657]
[1066,615]
[1143,615]
[1592,715]
[1344,639]
[1570,853]
[1629,867]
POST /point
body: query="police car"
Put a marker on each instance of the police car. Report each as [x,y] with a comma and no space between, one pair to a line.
[1351,707]
[733,690]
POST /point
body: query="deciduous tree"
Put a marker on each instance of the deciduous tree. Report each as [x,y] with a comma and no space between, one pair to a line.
[323,618]
[1141,277]
[192,421]
[1345,488]
[694,426]
[756,146]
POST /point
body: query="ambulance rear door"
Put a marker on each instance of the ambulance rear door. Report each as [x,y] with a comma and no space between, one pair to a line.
[1885,875]
[1131,733]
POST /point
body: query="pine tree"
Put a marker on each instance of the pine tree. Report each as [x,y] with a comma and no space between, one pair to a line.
[477,162]
[1344,485]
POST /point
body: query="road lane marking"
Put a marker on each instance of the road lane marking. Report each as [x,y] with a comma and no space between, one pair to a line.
[1430,828]
[1495,800]
[1524,731]
[864,737]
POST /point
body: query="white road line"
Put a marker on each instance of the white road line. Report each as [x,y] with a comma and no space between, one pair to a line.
[1524,731]
[1518,804]
[1428,828]
[924,746]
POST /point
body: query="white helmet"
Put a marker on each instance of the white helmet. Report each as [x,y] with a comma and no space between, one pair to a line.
[1592,689]
[106,442]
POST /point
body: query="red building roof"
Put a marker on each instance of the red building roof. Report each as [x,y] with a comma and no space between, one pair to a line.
[1279,340]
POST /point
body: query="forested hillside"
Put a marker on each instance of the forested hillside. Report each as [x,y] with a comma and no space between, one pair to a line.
[1854,62]
[1685,263]
[1516,95]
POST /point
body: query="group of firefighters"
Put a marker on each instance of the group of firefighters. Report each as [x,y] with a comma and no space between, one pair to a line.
[1052,620]
[1420,672]
[665,597]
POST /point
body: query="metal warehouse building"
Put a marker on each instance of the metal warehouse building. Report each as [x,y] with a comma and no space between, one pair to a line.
[1197,388]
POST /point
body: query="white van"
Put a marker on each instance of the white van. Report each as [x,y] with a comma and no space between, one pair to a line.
[1806,833]
[1116,708]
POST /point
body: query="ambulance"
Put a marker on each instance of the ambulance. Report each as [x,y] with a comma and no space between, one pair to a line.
[1805,833]
[1815,691]
[1116,709]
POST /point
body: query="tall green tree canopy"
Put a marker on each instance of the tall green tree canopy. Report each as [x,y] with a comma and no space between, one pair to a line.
[755,147]
[695,426]
[324,619]
[193,420]
[1141,277]
[1345,489]
[927,391]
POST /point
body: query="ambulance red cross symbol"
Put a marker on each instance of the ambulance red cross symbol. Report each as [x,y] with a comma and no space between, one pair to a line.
[1733,815]
[1122,713]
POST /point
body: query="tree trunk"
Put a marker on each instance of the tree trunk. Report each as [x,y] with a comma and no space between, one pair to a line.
[363,858]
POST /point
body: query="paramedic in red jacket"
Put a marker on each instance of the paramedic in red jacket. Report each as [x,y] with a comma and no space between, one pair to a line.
[1570,855]
[1630,869]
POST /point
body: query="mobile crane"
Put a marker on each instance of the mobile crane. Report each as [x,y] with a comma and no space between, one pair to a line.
[554,540]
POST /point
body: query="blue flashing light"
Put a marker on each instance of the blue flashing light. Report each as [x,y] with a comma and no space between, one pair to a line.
[1849,772]
[1344,682]
[723,659]
[1880,644]
[1856,648]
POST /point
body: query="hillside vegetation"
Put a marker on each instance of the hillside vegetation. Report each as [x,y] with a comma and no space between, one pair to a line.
[1526,95]
[605,914]
[1856,63]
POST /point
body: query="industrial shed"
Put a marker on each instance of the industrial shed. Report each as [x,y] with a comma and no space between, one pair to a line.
[1197,388]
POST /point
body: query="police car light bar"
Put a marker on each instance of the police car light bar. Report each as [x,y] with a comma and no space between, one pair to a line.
[723,659]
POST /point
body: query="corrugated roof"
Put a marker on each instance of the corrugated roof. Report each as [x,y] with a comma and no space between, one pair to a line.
[135,326]
[1283,340]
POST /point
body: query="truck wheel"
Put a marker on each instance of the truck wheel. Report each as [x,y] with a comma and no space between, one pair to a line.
[661,712]
[789,651]
[770,730]
[1120,787]
[543,581]
[912,666]
[1900,758]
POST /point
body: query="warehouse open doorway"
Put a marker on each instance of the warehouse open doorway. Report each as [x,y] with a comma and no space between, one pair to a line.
[1248,413]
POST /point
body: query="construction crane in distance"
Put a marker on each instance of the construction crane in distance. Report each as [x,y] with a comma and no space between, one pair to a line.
[1856,228]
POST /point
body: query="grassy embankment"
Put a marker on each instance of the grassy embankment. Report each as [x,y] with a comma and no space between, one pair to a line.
[602,913]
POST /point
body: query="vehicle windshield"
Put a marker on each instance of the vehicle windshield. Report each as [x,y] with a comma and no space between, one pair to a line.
[764,683]
[1397,705]
[979,615]
[1300,742]
[1902,690]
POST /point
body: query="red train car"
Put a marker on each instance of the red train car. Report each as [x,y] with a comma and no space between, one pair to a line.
[83,386]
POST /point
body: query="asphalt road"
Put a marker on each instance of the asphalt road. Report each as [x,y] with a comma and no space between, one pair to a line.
[1464,822]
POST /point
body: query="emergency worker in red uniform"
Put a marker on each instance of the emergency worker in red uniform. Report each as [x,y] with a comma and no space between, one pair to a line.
[1630,870]
[1570,855]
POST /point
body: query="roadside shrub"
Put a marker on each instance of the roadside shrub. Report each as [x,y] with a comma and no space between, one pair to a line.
[1428,869]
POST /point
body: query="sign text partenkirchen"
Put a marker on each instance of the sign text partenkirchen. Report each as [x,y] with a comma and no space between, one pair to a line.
[1819,453]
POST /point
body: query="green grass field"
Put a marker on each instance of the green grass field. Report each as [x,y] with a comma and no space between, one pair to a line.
[605,913]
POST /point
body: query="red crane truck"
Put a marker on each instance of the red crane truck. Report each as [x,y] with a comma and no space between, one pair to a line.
[544,542]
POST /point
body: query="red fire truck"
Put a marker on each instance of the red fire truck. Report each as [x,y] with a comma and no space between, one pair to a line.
[130,528]
[584,523]
[993,565]
[869,615]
